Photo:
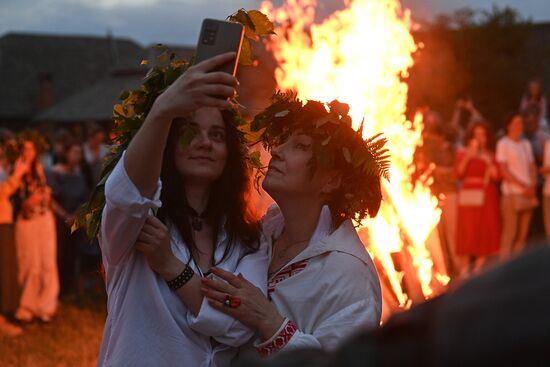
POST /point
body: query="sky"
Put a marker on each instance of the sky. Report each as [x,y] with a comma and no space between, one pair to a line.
[178,21]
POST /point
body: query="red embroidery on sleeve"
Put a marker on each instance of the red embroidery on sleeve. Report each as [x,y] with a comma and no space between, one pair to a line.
[280,340]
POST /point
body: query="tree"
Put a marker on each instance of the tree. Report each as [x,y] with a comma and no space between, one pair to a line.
[484,54]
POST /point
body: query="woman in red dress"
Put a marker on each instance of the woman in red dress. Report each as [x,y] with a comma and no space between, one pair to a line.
[478,227]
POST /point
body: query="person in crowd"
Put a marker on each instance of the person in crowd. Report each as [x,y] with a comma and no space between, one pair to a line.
[95,150]
[435,159]
[71,183]
[537,137]
[534,133]
[59,140]
[35,240]
[323,285]
[465,114]
[478,207]
[157,315]
[517,166]
[9,183]
[535,99]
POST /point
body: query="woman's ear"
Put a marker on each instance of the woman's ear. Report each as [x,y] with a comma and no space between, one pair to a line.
[333,182]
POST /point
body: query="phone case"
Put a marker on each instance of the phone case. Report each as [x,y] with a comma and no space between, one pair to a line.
[218,37]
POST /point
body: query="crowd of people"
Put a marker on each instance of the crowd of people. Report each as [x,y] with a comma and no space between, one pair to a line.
[494,188]
[41,190]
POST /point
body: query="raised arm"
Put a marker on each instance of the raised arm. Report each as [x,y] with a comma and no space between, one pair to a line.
[133,187]
[10,186]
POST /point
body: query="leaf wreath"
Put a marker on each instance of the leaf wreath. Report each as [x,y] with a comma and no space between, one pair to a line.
[335,143]
[13,148]
[129,115]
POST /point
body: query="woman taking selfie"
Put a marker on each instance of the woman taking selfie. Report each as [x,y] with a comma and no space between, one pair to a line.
[478,207]
[323,286]
[157,315]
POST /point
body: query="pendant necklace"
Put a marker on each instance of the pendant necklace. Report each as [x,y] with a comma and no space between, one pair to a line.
[196,218]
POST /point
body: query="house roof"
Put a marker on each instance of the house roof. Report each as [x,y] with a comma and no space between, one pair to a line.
[72,63]
[93,103]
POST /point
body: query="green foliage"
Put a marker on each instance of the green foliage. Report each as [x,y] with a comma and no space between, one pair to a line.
[256,25]
[335,144]
[13,148]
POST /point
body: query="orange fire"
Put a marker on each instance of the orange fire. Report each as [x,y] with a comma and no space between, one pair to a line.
[358,55]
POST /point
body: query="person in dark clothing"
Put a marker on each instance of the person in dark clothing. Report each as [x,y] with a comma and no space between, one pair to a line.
[71,185]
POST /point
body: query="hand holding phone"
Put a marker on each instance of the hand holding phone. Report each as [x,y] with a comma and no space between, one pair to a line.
[199,86]
[211,81]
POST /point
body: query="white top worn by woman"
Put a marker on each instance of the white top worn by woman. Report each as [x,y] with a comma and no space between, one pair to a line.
[330,291]
[147,324]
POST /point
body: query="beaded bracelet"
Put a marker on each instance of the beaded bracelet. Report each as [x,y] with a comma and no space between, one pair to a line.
[181,279]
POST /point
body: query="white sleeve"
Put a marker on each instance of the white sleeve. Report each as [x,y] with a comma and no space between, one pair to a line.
[501,156]
[123,216]
[331,332]
[223,328]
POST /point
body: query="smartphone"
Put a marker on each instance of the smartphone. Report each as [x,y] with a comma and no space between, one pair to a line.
[218,37]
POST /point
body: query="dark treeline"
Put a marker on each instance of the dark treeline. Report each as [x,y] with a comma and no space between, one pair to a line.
[487,55]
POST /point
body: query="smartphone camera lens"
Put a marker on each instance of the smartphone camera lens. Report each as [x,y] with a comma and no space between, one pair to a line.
[209,36]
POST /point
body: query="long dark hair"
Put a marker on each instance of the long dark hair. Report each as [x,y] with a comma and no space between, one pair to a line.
[488,133]
[228,195]
[35,175]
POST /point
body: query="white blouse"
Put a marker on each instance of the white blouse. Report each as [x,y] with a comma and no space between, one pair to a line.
[147,324]
[329,292]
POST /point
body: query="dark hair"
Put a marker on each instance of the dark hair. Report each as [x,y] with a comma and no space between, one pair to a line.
[528,93]
[33,175]
[84,166]
[509,118]
[488,132]
[34,178]
[228,196]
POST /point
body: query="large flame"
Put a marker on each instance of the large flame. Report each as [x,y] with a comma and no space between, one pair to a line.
[359,55]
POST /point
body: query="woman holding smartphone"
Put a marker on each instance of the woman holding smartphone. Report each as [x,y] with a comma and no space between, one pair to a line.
[157,315]
[323,286]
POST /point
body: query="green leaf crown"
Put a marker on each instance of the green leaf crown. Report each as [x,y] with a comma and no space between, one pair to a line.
[335,143]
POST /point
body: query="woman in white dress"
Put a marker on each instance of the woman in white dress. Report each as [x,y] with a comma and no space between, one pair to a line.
[157,315]
[35,241]
[323,286]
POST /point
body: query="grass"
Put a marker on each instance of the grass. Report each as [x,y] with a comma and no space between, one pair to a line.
[72,339]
